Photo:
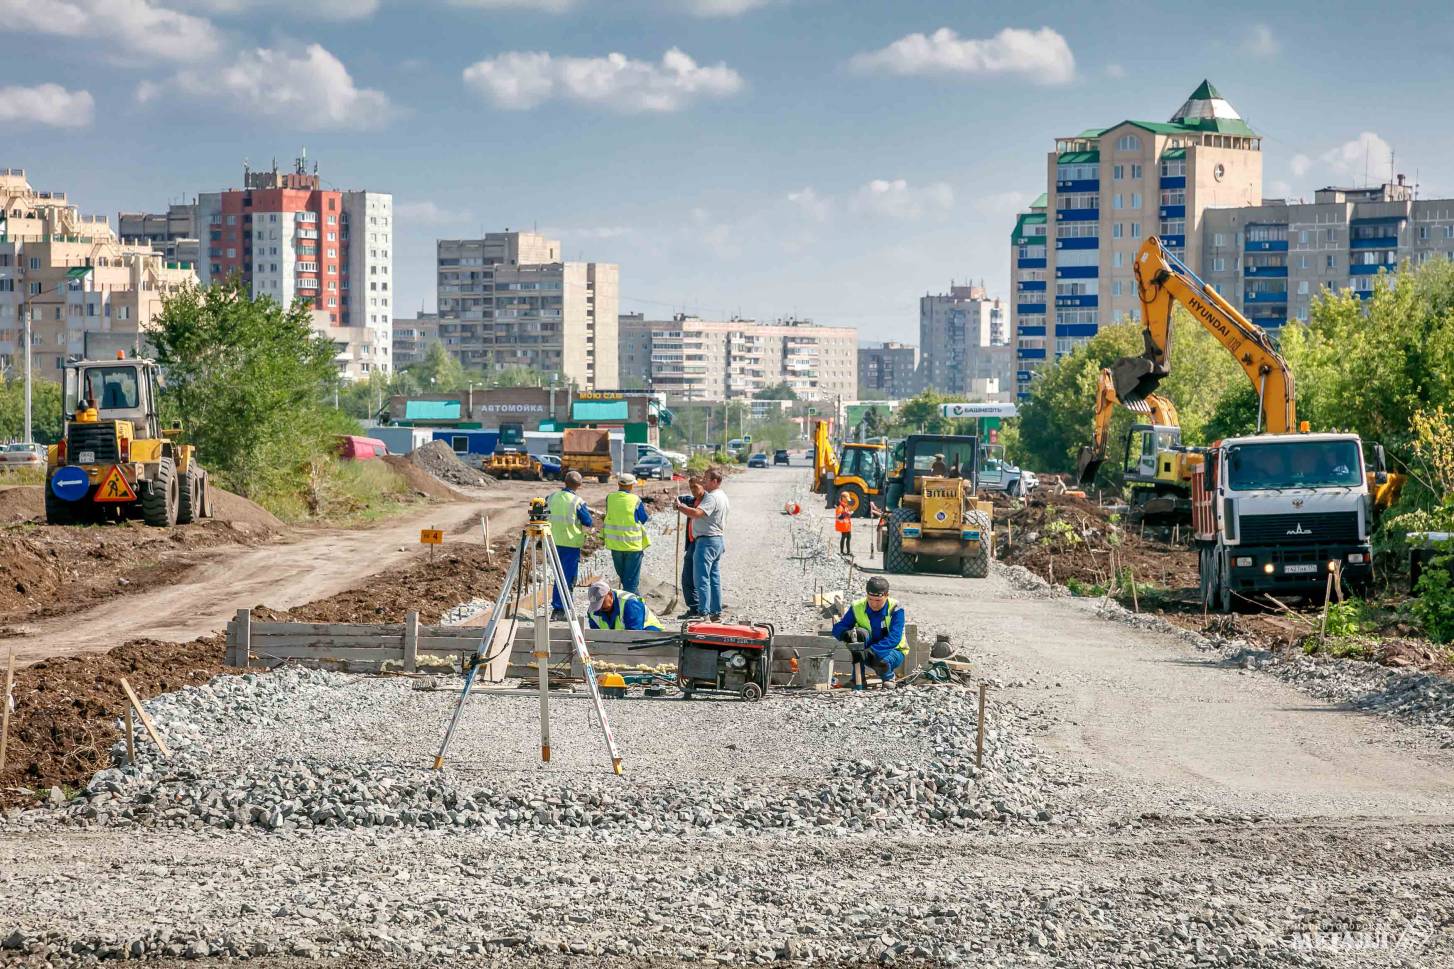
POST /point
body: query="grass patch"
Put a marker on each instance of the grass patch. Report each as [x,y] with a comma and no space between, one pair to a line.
[339,492]
[1348,634]
[22,476]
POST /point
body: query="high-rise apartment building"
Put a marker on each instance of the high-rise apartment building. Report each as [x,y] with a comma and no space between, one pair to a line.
[890,371]
[509,299]
[290,238]
[86,292]
[1270,260]
[1028,305]
[688,358]
[412,338]
[963,341]
[1109,188]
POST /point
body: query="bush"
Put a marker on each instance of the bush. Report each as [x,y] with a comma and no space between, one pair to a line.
[1434,605]
[332,489]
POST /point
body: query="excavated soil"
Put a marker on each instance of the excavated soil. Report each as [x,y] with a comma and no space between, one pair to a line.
[421,481]
[439,460]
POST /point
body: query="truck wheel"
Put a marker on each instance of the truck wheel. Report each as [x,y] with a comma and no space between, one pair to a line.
[160,502]
[896,561]
[603,478]
[1224,587]
[190,496]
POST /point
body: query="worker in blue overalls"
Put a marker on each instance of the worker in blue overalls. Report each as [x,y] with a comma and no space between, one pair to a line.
[873,630]
[569,519]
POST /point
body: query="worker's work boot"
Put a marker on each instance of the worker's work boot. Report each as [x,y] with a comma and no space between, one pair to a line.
[557,615]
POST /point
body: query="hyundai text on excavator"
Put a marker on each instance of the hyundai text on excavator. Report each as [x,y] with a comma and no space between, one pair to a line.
[115,460]
[1273,512]
[1157,466]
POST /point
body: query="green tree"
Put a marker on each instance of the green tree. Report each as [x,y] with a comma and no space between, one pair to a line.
[252,384]
[920,415]
[437,372]
[875,423]
[45,410]
[780,391]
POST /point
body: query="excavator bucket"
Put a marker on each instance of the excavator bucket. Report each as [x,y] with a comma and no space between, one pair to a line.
[1088,464]
[1136,378]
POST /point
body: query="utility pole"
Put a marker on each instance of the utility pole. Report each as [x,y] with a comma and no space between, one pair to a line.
[25,336]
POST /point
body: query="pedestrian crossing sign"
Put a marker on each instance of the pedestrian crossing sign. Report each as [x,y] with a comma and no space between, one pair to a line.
[115,487]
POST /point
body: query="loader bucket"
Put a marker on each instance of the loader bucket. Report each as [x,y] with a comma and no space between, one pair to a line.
[1088,464]
[1136,378]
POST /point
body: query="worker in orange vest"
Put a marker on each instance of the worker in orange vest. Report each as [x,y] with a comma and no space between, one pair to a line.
[843,525]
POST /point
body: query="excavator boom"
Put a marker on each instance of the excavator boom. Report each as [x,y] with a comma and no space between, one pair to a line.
[1161,280]
[1160,409]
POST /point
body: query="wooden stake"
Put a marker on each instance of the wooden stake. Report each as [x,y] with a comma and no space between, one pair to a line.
[979,737]
[151,730]
[5,707]
[130,738]
[1135,600]
[1327,600]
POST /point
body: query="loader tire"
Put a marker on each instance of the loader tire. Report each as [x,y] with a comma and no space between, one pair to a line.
[975,563]
[191,495]
[896,560]
[160,503]
[59,511]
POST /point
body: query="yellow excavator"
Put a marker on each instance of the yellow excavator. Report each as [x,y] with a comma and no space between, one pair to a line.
[825,462]
[1273,512]
[1156,464]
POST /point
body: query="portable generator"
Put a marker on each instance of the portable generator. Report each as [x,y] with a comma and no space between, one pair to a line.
[725,658]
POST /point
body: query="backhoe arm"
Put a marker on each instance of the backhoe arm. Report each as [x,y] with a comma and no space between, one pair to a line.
[1160,409]
[1162,280]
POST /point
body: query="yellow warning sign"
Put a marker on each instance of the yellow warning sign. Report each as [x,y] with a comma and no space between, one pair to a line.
[431,536]
[114,487]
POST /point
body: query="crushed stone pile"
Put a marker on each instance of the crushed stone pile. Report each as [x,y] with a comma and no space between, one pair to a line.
[439,459]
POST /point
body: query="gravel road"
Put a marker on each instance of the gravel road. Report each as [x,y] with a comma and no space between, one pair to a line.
[1143,803]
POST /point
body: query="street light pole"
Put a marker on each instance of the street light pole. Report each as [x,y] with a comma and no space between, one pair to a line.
[25,336]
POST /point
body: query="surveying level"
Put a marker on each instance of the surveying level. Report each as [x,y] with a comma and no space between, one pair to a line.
[534,568]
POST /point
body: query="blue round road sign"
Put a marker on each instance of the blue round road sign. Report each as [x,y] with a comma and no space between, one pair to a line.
[70,483]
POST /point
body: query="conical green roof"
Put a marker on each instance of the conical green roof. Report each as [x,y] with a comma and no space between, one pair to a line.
[1205,92]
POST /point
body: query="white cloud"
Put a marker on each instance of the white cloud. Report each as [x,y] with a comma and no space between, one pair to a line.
[137,26]
[1367,154]
[1261,42]
[1300,164]
[724,8]
[306,88]
[314,9]
[811,203]
[547,6]
[1115,70]
[47,104]
[520,80]
[897,199]
[1002,203]
[1041,55]
[428,213]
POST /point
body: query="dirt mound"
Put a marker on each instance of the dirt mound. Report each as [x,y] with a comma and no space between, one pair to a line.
[22,503]
[66,709]
[438,459]
[236,509]
[422,481]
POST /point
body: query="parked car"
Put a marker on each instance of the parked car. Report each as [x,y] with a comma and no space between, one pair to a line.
[653,466]
[549,466]
[13,457]
[675,457]
[780,456]
[758,460]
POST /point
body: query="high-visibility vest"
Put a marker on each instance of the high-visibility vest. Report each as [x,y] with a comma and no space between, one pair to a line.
[860,619]
[565,522]
[843,521]
[622,532]
[623,597]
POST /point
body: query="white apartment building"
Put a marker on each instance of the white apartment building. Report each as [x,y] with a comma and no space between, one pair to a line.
[85,290]
[689,358]
[509,299]
[963,342]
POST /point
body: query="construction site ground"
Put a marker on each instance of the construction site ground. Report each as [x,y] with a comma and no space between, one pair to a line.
[1143,803]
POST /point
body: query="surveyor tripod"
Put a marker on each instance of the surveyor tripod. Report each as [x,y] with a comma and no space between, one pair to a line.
[534,568]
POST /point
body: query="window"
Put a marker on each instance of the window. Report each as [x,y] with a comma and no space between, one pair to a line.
[1302,287]
[1079,287]
[1135,200]
[1117,201]
[273,217]
[1302,237]
[1077,257]
[1136,170]
[1128,143]
[1116,229]
[34,262]
[231,253]
[1135,230]
[232,220]
[1219,264]
[1218,240]
[1330,262]
[1078,200]
[1173,196]
[1077,230]
[1118,172]
[1173,167]
[1116,287]
[1118,260]
[332,219]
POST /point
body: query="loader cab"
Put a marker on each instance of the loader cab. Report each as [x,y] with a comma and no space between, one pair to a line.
[932,455]
[122,389]
[1147,447]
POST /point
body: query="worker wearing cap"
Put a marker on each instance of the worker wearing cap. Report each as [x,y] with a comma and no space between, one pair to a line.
[569,519]
[619,609]
[625,531]
[873,628]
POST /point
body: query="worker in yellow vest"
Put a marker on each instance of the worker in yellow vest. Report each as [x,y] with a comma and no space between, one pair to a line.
[619,609]
[625,531]
[873,629]
[569,519]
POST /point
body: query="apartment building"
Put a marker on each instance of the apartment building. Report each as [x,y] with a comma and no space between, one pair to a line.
[1109,188]
[412,338]
[1028,306]
[889,371]
[85,290]
[1270,260]
[963,341]
[688,358]
[173,233]
[290,238]
[509,299]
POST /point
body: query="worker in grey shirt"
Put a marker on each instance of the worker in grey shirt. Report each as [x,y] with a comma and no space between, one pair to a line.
[709,526]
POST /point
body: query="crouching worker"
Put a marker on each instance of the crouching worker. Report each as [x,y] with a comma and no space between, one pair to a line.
[873,630]
[619,609]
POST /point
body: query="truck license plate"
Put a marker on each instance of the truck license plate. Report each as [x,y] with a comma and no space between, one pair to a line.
[1309,569]
[86,457]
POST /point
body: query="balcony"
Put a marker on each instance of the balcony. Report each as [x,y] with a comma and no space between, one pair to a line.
[1074,301]
[1173,181]
[1031,286]
[1173,211]
[1023,308]
[1378,242]
[1371,269]
[1029,263]
[1265,272]
[1273,296]
[1179,242]
[1085,242]
[1077,272]
[1265,245]
[1078,215]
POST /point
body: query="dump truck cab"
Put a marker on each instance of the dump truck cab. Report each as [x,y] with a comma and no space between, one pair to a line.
[936,521]
[115,460]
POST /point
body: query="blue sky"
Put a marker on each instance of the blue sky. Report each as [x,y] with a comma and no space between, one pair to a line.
[825,158]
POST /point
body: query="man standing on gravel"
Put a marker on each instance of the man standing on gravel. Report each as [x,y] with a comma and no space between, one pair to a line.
[709,527]
[625,531]
[873,629]
[569,519]
[689,582]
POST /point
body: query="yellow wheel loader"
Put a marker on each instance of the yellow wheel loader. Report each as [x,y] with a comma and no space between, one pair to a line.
[936,521]
[115,461]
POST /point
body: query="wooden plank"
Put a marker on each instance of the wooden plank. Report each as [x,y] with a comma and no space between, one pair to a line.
[328,628]
[363,654]
[130,739]
[242,639]
[325,642]
[411,642]
[5,706]
[151,729]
